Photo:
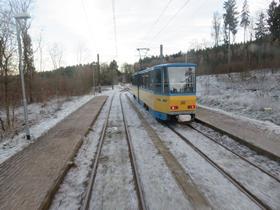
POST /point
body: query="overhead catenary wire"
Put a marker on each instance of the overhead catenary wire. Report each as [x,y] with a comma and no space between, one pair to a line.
[115,27]
[159,17]
[89,28]
[169,21]
[156,22]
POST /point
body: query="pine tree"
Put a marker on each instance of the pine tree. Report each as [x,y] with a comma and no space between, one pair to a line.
[274,19]
[226,40]
[230,16]
[261,28]
[230,21]
[245,15]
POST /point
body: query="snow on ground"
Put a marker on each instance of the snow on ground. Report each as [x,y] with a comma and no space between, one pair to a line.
[254,94]
[271,166]
[114,186]
[257,182]
[42,117]
[160,188]
[221,193]
[266,126]
[72,189]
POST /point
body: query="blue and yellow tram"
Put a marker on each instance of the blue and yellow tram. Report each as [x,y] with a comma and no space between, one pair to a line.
[167,90]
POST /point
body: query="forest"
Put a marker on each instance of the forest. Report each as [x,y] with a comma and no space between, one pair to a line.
[259,49]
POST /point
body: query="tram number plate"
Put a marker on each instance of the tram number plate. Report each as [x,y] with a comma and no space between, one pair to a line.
[162,100]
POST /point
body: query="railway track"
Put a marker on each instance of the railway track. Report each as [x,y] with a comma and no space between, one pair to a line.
[93,173]
[136,176]
[139,187]
[260,198]
[182,178]
[232,151]
[233,180]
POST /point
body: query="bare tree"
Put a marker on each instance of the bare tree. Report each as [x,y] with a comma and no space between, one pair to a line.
[56,53]
[38,52]
[245,17]
[216,28]
[82,53]
[20,6]
[251,28]
[7,51]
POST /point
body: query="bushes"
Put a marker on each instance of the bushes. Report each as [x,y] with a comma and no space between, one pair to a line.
[68,81]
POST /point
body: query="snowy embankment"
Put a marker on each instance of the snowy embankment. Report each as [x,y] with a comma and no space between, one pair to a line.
[42,117]
[254,94]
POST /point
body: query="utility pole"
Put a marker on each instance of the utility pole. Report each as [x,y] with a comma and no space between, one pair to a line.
[112,77]
[98,68]
[161,54]
[139,50]
[18,18]
[93,78]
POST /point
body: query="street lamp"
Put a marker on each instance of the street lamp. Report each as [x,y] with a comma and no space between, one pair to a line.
[19,17]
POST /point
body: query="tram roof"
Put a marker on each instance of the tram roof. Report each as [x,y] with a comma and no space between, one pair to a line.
[165,65]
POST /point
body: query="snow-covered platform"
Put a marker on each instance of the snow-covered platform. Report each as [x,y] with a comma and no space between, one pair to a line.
[263,136]
[28,179]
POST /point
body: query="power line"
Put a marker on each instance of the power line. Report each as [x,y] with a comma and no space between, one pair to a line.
[115,27]
[159,17]
[87,20]
[170,20]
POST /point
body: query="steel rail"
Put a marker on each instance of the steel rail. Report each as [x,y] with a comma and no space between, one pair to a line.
[235,182]
[182,178]
[86,201]
[257,149]
[235,153]
[139,187]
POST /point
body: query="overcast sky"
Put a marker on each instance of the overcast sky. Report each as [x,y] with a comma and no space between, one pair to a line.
[83,28]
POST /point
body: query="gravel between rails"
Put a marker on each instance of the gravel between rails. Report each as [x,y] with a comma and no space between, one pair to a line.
[114,186]
[259,185]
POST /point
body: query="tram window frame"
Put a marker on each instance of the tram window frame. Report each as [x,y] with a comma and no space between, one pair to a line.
[189,86]
[158,81]
[147,81]
[165,81]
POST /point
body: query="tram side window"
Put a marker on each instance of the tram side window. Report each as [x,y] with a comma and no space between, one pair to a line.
[150,80]
[166,85]
[146,81]
[137,80]
[140,80]
[157,81]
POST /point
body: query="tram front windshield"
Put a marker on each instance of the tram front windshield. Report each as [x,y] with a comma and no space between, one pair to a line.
[181,79]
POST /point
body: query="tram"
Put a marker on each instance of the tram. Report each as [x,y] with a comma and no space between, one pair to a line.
[168,91]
